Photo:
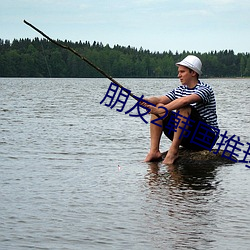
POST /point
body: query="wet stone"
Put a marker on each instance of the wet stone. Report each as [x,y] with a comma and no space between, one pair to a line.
[203,157]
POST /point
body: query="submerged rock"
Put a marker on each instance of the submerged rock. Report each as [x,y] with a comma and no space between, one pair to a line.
[203,157]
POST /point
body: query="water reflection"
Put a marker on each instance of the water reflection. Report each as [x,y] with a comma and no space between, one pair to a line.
[183,195]
[183,176]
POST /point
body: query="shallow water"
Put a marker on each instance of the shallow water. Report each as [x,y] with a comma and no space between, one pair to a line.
[72,175]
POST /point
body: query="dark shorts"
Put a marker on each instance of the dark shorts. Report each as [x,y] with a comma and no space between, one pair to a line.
[192,139]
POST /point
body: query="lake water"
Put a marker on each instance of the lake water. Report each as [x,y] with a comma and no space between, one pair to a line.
[72,174]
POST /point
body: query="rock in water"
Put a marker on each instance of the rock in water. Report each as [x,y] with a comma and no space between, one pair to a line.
[203,157]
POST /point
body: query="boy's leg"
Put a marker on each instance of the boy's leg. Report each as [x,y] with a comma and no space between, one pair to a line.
[155,137]
[173,151]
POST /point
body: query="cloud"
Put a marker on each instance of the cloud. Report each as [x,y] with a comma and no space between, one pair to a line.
[225,5]
[149,2]
[152,24]
[84,6]
[221,2]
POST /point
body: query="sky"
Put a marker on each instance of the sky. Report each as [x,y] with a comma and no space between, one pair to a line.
[155,25]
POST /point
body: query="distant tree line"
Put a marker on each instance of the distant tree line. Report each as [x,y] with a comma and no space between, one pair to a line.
[41,58]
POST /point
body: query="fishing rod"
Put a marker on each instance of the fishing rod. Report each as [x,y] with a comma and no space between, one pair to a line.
[82,57]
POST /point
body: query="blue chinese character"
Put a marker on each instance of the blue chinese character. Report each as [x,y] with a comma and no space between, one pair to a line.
[221,143]
[185,129]
[246,154]
[173,121]
[234,147]
[205,136]
[138,106]
[121,94]
[113,89]
[160,118]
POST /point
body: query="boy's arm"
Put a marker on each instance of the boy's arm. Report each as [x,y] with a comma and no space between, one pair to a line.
[176,104]
[158,100]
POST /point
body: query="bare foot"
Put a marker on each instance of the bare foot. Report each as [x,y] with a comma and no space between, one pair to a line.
[170,157]
[153,156]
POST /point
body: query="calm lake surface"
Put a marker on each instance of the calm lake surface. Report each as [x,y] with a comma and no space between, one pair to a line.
[72,174]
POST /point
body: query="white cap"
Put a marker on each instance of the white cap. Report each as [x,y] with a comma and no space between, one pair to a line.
[191,62]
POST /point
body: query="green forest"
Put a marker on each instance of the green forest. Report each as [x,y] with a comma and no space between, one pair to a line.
[41,58]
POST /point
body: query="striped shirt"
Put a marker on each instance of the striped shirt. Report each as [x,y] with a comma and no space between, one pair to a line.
[206,108]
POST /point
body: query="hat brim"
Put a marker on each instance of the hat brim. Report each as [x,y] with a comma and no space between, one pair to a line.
[190,66]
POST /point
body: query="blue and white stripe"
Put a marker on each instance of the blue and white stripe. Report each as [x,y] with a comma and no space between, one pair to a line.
[206,108]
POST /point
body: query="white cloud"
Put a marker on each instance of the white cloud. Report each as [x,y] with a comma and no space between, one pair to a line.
[149,2]
[83,6]
[221,2]
[152,24]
